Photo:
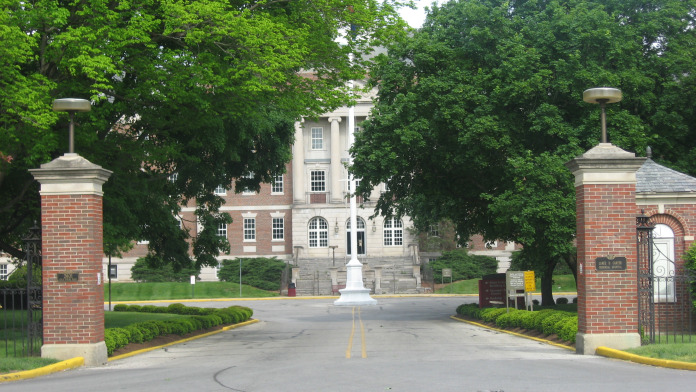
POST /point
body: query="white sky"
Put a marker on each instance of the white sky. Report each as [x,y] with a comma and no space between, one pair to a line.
[416,17]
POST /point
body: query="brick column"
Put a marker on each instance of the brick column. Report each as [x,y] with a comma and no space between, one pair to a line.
[605,185]
[71,239]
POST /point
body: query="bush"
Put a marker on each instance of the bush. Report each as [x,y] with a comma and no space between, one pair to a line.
[463,265]
[562,301]
[260,272]
[195,319]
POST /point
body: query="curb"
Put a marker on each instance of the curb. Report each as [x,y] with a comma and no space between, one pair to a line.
[56,367]
[666,363]
[79,361]
[601,351]
[513,333]
[133,353]
[279,298]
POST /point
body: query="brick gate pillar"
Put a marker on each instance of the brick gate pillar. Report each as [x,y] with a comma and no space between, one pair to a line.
[605,186]
[72,229]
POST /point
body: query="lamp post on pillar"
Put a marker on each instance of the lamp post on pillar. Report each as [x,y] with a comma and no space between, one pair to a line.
[72,251]
[602,96]
[71,105]
[605,194]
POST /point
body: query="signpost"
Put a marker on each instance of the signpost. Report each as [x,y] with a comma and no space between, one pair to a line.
[193,284]
[520,284]
[446,273]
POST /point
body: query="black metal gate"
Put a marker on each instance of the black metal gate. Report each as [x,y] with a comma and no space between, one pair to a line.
[665,300]
[21,316]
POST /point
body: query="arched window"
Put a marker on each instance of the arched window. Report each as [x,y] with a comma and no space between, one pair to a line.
[663,263]
[393,232]
[318,233]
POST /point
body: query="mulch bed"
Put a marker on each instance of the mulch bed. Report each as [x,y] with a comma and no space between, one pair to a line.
[531,333]
[164,339]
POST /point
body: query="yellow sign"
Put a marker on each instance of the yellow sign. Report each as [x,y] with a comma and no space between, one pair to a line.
[529,281]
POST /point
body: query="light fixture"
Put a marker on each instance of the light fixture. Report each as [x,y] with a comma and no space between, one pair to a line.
[374,227]
[602,96]
[336,226]
[71,105]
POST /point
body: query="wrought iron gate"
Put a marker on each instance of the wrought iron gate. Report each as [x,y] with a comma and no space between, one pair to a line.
[21,314]
[665,300]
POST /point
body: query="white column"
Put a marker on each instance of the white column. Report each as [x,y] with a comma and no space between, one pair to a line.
[336,172]
[298,188]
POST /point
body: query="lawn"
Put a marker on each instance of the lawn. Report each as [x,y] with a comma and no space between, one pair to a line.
[181,290]
[561,283]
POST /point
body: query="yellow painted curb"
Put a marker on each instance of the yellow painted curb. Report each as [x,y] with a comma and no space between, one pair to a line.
[513,333]
[617,354]
[130,354]
[56,367]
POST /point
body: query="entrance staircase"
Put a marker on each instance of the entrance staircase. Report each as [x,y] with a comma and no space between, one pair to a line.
[395,275]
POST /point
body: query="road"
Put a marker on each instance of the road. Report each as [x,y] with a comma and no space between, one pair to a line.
[401,344]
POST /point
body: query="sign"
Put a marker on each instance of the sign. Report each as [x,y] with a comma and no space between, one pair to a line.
[68,276]
[610,263]
[529,281]
[193,279]
[491,291]
[515,280]
[447,272]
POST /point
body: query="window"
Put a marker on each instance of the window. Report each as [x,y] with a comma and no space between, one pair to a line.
[434,231]
[248,191]
[220,190]
[277,185]
[222,230]
[249,229]
[318,138]
[317,180]
[393,232]
[173,177]
[278,229]
[3,271]
[318,233]
[663,264]
[491,245]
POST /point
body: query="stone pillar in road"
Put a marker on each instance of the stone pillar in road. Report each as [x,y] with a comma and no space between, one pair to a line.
[605,186]
[72,245]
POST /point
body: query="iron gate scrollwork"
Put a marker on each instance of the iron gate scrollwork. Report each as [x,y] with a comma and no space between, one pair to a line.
[21,319]
[665,303]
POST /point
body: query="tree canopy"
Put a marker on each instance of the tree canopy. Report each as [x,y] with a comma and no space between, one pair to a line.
[186,96]
[477,113]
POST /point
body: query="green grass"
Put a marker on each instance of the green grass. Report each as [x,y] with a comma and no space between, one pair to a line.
[180,290]
[561,283]
[11,365]
[684,352]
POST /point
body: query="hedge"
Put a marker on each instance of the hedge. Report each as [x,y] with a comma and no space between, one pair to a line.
[563,324]
[197,319]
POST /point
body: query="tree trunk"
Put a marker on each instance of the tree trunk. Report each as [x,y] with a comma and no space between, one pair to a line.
[547,284]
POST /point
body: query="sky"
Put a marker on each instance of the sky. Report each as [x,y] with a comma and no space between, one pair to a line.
[416,17]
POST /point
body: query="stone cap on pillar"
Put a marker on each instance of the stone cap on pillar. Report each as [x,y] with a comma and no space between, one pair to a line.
[71,174]
[605,164]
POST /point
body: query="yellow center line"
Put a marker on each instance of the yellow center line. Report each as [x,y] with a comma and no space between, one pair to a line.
[362,334]
[352,334]
[350,340]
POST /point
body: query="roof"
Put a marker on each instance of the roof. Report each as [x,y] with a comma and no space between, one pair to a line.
[655,178]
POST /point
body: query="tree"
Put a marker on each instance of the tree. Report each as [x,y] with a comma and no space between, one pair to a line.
[477,114]
[186,96]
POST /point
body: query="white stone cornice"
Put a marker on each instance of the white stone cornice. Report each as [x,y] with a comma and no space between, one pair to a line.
[71,174]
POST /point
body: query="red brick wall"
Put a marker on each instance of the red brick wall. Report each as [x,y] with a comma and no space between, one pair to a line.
[606,226]
[73,312]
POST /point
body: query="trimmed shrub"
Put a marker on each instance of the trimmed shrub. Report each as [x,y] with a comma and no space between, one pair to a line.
[568,328]
[491,314]
[562,301]
[506,319]
[121,308]
[261,272]
[549,323]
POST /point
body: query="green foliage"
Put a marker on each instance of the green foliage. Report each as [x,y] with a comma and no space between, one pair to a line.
[547,321]
[150,269]
[196,319]
[463,265]
[261,272]
[478,113]
[209,90]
